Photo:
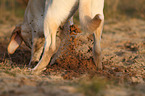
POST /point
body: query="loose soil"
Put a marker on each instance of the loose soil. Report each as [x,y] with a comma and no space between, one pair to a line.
[123,49]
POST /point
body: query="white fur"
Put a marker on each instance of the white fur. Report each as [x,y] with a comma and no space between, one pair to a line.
[58,11]
[32,28]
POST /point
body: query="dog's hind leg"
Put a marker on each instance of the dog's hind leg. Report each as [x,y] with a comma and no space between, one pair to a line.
[97,8]
[92,19]
[97,48]
[89,22]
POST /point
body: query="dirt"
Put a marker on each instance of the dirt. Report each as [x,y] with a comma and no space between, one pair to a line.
[123,49]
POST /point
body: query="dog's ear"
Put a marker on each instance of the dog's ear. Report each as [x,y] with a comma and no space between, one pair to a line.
[15,41]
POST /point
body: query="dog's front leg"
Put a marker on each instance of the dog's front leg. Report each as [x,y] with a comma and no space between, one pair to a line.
[56,13]
[37,48]
[63,33]
[49,47]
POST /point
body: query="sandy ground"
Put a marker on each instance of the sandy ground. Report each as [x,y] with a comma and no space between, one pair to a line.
[123,74]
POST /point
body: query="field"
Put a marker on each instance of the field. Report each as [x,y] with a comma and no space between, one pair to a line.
[123,74]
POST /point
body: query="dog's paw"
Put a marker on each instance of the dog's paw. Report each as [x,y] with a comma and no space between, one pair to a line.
[35,71]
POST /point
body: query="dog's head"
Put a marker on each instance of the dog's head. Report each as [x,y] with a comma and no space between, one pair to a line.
[16,39]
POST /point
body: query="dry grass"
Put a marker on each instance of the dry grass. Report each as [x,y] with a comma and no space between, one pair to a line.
[124,8]
[123,48]
[117,9]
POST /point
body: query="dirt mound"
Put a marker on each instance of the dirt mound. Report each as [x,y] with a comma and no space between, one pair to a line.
[75,54]
[122,53]
[123,49]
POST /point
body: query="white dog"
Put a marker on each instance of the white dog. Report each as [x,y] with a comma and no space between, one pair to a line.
[31,30]
[59,11]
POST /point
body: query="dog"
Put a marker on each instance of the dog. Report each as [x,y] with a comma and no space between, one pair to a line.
[31,30]
[59,11]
